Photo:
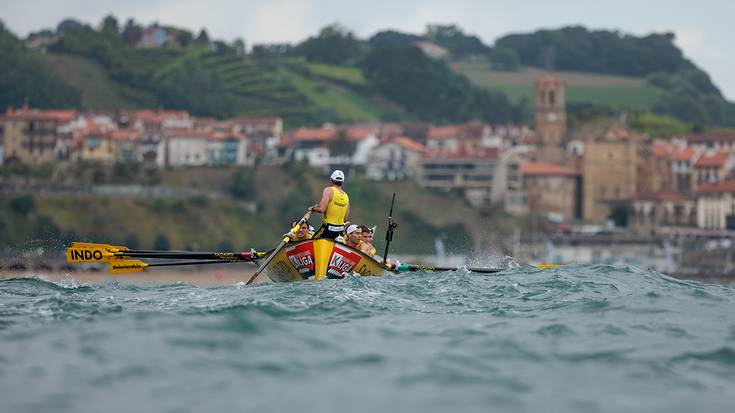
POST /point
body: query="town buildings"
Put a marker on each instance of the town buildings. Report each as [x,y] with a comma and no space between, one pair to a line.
[30,135]
[590,174]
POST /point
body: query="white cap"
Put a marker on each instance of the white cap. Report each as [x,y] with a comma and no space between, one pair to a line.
[311,229]
[352,228]
[338,176]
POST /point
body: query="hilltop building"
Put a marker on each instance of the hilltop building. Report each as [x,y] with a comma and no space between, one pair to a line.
[551,120]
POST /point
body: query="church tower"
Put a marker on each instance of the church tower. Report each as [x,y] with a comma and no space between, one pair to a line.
[551,119]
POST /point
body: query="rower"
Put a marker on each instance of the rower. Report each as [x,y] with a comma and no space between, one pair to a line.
[354,236]
[366,246]
[334,207]
[303,232]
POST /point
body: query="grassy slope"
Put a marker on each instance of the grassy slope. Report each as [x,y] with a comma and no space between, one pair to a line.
[581,87]
[99,92]
[205,223]
[327,95]
[259,89]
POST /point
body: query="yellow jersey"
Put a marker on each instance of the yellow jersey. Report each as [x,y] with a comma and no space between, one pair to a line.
[337,207]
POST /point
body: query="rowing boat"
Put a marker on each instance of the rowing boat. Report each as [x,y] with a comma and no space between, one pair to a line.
[318,259]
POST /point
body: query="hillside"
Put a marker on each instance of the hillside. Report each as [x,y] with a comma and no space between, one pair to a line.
[333,76]
[612,90]
[213,220]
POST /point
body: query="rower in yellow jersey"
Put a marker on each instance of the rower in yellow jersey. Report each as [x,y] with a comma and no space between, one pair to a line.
[334,207]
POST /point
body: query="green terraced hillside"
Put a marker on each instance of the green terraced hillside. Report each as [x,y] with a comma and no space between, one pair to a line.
[616,91]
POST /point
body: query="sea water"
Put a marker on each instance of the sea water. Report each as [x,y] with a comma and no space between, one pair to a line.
[571,339]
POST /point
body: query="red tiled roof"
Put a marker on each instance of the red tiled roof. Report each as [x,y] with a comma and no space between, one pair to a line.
[443,132]
[541,168]
[126,135]
[312,134]
[686,154]
[27,113]
[358,133]
[157,116]
[548,80]
[662,150]
[717,187]
[409,144]
[717,159]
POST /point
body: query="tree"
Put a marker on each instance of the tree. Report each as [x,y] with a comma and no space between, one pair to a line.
[430,89]
[68,24]
[203,38]
[184,38]
[455,40]
[28,77]
[334,44]
[23,204]
[242,183]
[110,25]
[161,243]
[132,32]
[239,46]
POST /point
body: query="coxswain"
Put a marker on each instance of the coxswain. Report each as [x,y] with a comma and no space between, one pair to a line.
[334,207]
[366,246]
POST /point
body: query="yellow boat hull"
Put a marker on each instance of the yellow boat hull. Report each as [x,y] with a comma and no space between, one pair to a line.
[319,259]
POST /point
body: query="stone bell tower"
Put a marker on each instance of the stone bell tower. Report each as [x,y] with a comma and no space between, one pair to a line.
[551,119]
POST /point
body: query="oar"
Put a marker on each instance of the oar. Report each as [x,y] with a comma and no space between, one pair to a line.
[128,266]
[429,268]
[91,252]
[286,239]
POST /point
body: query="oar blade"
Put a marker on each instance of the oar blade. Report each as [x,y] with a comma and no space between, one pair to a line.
[76,254]
[126,266]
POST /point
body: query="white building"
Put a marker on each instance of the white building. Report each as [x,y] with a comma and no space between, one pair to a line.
[186,147]
[395,158]
[716,205]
